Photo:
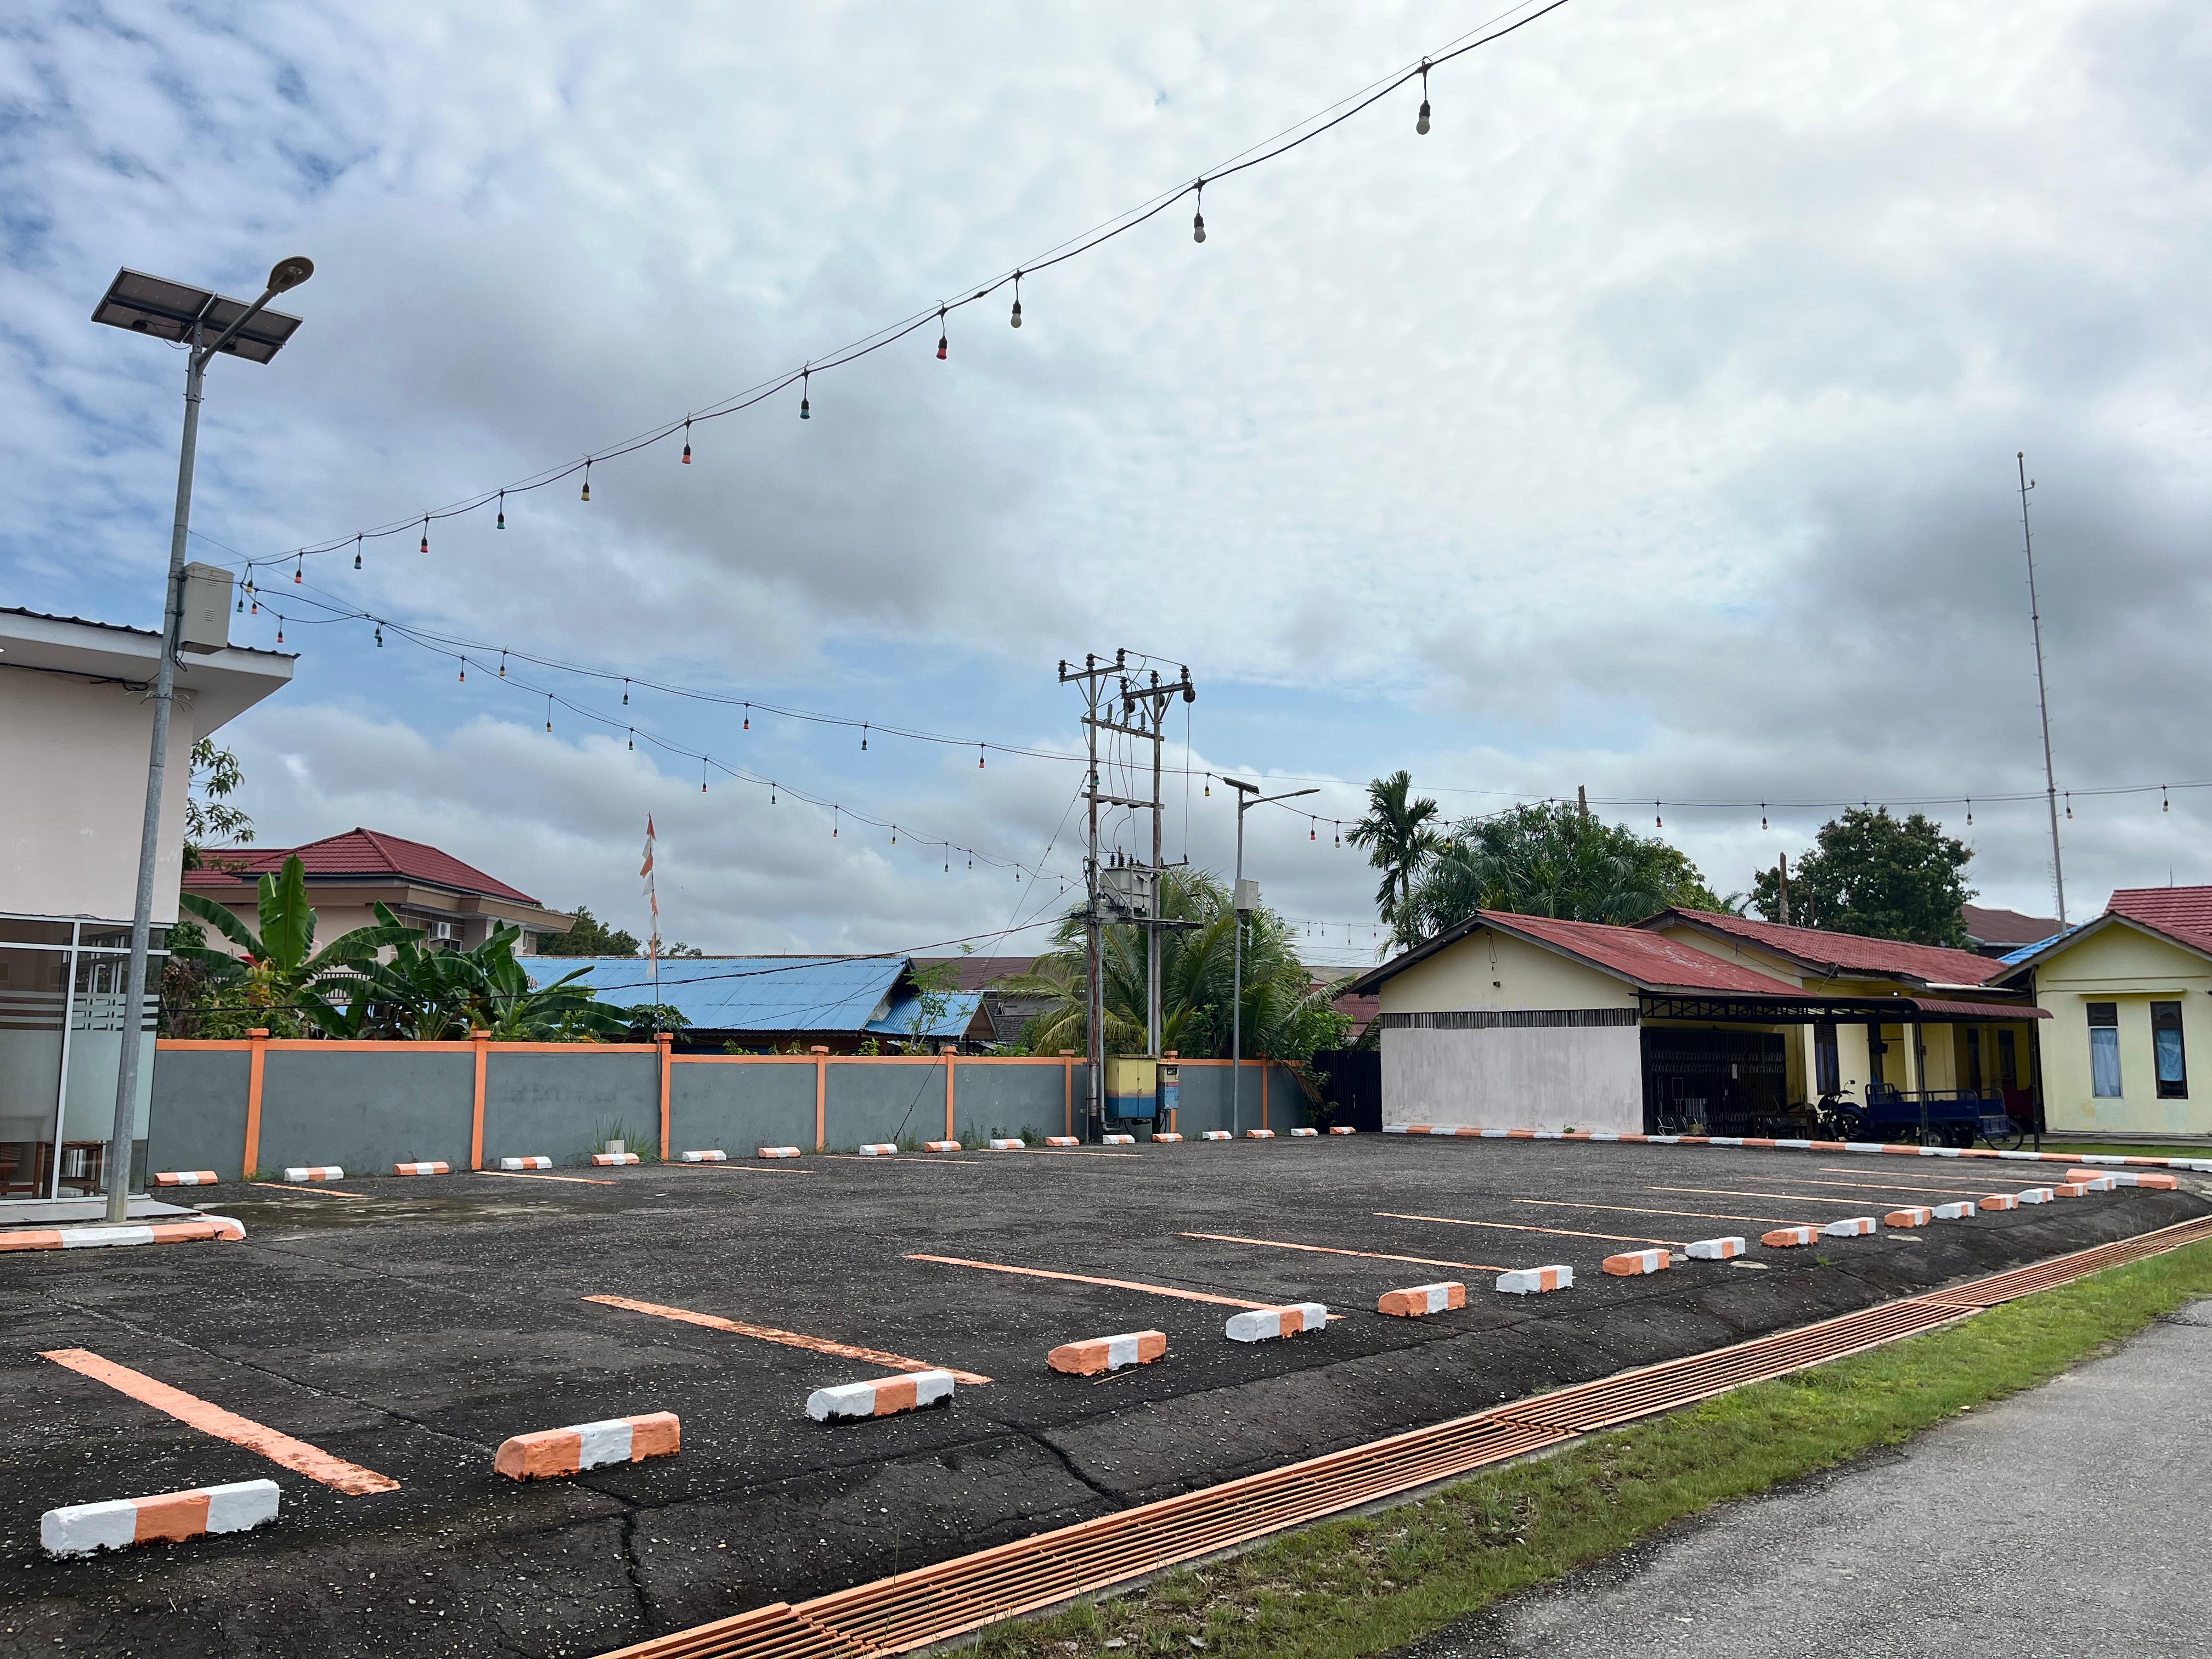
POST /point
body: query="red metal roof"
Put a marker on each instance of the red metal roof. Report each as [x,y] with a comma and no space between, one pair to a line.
[1650,959]
[1854,953]
[1977,1009]
[2180,913]
[358,853]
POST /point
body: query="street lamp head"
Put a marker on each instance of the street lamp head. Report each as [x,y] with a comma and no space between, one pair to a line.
[1239,783]
[288,274]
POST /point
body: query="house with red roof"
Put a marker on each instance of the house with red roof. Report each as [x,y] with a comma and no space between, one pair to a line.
[457,904]
[1687,1021]
[2130,997]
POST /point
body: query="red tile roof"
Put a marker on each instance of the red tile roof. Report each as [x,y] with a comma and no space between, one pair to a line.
[1854,953]
[2007,927]
[356,853]
[1650,959]
[2180,913]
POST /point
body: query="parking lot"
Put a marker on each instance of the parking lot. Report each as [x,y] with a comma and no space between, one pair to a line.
[404,1328]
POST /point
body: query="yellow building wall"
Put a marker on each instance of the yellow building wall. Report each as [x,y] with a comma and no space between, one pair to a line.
[1490,969]
[2122,965]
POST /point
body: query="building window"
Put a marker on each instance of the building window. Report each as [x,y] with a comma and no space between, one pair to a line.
[2008,1062]
[1828,1067]
[2104,1050]
[2173,1066]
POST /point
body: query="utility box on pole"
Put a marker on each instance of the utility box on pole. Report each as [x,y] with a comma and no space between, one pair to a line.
[1248,895]
[206,604]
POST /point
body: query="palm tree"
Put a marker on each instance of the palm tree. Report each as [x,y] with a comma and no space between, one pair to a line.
[1401,841]
[282,978]
[1552,859]
[1286,1016]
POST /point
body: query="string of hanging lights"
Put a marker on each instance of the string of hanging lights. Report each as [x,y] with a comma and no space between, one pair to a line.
[1291,138]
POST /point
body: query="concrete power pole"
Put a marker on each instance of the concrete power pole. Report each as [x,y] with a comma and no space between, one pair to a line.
[2042,691]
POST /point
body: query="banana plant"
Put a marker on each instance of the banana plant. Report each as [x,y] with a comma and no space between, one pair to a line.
[438,996]
[281,977]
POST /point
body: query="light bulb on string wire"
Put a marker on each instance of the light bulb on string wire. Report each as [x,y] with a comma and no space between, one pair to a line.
[280,633]
[2070,802]
[632,745]
[1657,822]
[2165,801]
[806,380]
[463,677]
[979,757]
[587,495]
[356,552]
[426,532]
[863,737]
[1421,126]
[500,523]
[702,774]
[687,441]
[549,713]
[1970,811]
[1015,320]
[379,637]
[1762,814]
[625,690]
[748,718]
[1198,219]
[944,337]
[502,664]
[298,560]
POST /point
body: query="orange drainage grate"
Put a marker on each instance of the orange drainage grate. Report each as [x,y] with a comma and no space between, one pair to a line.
[935,1604]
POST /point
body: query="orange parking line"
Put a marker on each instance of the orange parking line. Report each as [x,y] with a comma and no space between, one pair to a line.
[1875,1186]
[518,1175]
[1055,1151]
[785,1338]
[193,1413]
[905,1160]
[1630,1209]
[1085,1279]
[1732,1192]
[779,1167]
[1906,1176]
[1518,1227]
[319,1192]
[1331,1249]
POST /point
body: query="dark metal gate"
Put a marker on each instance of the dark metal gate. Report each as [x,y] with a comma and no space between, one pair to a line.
[1350,1082]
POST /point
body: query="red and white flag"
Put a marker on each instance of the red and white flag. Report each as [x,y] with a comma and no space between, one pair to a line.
[652,899]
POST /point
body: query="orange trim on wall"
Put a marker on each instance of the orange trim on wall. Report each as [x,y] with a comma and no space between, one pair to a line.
[481,1041]
[821,1095]
[664,1041]
[949,1060]
[1067,1095]
[258,1046]
[1264,1069]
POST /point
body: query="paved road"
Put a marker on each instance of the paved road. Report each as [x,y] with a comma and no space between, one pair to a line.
[2067,1521]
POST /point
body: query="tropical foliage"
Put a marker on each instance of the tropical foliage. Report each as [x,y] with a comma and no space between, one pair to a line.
[1401,834]
[1286,1017]
[349,989]
[1868,873]
[587,936]
[216,776]
[282,981]
[1552,859]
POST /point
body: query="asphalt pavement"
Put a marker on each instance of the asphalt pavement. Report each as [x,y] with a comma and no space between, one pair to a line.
[411,1327]
[2067,1521]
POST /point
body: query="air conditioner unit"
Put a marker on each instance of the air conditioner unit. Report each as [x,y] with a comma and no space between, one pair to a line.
[445,930]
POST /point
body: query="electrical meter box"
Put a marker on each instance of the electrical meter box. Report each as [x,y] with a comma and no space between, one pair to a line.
[1132,1086]
[205,626]
[1171,1091]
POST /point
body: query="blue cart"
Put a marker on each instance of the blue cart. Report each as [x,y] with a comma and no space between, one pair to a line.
[1929,1117]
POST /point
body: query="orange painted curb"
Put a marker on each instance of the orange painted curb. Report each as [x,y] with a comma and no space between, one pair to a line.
[550,1452]
[1107,1353]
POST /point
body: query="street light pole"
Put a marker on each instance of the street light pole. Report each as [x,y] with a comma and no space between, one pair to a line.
[1247,795]
[288,274]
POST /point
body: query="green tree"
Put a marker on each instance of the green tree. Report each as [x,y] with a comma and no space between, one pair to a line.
[1868,873]
[1400,836]
[427,994]
[216,777]
[281,983]
[1553,860]
[588,936]
[1286,1016]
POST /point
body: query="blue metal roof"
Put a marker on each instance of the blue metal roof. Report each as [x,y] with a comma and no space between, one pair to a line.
[960,1007]
[747,993]
[2015,957]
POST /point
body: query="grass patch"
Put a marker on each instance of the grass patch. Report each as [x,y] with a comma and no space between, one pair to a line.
[1362,1586]
[2128,1148]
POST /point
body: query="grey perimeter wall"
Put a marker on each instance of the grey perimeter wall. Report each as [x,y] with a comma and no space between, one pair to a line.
[1515,1077]
[366,1110]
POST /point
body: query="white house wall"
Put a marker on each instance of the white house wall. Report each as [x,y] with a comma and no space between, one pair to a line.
[1515,1077]
[74,755]
[1502,1074]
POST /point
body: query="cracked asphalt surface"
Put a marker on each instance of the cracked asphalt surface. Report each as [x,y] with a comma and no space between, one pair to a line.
[413,1329]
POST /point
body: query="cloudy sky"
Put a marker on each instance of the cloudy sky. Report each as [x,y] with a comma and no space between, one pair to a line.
[1649,425]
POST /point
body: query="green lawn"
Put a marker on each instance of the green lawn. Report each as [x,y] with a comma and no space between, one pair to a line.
[1359,1587]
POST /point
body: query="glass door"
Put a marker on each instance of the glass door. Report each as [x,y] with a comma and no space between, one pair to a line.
[34,1035]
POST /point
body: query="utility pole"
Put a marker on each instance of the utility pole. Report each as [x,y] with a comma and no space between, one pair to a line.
[1146,705]
[1782,888]
[1582,801]
[2042,691]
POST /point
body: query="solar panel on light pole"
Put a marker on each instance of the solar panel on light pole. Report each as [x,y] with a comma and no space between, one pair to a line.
[210,323]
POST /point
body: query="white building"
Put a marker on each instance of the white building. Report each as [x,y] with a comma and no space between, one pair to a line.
[75,729]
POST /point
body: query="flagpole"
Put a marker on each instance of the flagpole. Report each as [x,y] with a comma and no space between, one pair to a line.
[652,936]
